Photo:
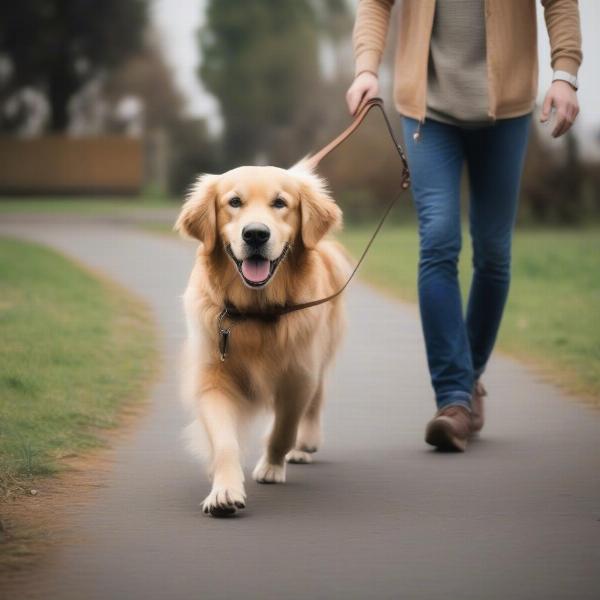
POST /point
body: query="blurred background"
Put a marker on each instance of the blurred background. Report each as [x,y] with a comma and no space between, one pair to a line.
[136,97]
[108,112]
[113,108]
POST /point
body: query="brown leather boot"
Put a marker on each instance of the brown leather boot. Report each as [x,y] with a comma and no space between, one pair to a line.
[449,430]
[477,413]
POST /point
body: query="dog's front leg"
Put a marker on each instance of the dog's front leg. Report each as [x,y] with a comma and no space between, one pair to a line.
[290,404]
[220,417]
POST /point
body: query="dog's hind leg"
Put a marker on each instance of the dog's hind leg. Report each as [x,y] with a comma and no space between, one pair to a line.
[221,419]
[289,407]
[309,437]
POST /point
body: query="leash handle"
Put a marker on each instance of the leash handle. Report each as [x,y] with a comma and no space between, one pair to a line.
[233,313]
[359,117]
[362,111]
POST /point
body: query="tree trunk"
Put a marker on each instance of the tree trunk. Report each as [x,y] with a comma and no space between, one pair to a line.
[61,89]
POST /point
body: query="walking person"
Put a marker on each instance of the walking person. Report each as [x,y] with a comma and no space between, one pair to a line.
[465,84]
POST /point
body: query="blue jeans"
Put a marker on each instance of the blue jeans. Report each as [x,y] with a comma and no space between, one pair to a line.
[458,347]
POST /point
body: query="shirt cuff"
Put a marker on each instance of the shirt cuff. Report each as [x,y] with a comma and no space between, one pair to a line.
[566,64]
[368,60]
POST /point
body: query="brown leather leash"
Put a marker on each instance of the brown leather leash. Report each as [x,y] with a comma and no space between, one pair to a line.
[234,314]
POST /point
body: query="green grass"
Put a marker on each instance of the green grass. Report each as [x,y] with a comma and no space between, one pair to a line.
[75,350]
[553,313]
[83,206]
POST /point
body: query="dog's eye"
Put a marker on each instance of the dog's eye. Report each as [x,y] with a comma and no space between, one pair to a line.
[279,203]
[235,202]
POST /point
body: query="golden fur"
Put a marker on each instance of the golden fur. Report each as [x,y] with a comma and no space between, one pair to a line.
[277,365]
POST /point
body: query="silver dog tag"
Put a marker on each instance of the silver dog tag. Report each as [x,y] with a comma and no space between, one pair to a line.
[224,343]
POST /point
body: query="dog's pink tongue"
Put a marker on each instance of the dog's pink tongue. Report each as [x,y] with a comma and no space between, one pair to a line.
[255,269]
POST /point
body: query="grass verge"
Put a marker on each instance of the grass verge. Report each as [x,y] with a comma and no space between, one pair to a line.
[75,351]
[553,314]
[82,206]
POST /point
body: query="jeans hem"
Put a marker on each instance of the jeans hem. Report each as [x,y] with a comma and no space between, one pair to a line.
[458,398]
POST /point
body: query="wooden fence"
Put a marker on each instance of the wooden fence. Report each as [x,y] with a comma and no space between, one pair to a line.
[67,165]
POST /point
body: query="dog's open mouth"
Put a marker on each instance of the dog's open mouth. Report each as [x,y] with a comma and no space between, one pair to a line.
[257,270]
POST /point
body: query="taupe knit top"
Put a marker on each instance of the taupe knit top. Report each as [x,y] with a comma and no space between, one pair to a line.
[457,70]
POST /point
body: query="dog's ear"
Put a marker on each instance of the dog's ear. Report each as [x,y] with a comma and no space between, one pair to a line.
[198,216]
[319,212]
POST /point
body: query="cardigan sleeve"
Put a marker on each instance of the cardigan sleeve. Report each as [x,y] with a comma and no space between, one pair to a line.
[370,33]
[564,31]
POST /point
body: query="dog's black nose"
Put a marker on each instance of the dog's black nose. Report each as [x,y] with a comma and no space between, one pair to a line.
[255,234]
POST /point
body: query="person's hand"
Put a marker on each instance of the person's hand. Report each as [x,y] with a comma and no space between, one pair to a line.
[563,98]
[364,87]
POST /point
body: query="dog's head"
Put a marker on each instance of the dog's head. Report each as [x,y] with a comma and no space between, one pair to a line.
[256,214]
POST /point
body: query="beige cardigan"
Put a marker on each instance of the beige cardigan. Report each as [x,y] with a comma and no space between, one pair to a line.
[511,39]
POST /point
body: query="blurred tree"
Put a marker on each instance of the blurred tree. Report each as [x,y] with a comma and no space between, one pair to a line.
[261,61]
[334,18]
[193,152]
[178,147]
[147,76]
[57,46]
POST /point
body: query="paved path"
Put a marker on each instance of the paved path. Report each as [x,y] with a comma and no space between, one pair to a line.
[377,516]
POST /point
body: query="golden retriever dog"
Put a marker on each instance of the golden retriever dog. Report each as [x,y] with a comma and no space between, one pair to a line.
[262,246]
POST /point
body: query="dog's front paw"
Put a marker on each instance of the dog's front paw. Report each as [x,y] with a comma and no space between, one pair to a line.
[298,457]
[265,472]
[223,502]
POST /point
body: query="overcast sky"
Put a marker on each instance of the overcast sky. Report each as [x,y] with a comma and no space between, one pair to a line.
[179,20]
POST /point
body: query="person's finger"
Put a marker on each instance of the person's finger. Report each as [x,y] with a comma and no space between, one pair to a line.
[572,111]
[546,108]
[373,91]
[558,123]
[362,96]
[566,126]
[370,91]
[562,124]
[352,99]
[349,103]
[568,110]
